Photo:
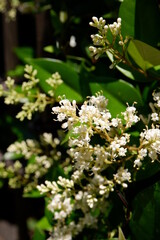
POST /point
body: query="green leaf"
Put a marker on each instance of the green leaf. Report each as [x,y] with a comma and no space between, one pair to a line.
[143,54]
[24,53]
[41,226]
[70,93]
[114,105]
[128,71]
[44,224]
[154,71]
[118,92]
[127,13]
[17,72]
[33,194]
[49,49]
[46,67]
[145,222]
[39,235]
[147,21]
[141,20]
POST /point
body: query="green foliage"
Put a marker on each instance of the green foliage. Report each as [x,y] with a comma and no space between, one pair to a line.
[141,20]
[118,93]
[144,55]
[145,220]
[81,173]
[70,87]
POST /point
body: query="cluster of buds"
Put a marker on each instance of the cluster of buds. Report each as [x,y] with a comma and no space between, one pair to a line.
[29,94]
[107,36]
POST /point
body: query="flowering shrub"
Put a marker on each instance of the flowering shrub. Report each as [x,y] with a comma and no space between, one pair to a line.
[98,169]
[101,170]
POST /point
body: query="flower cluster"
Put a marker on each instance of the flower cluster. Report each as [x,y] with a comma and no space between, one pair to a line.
[27,161]
[155,116]
[29,94]
[54,82]
[150,138]
[91,162]
[100,149]
[104,41]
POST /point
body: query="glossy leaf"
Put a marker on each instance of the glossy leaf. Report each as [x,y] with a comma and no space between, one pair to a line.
[46,67]
[127,13]
[145,222]
[24,53]
[33,194]
[49,49]
[44,224]
[39,234]
[143,54]
[147,21]
[154,71]
[128,71]
[41,226]
[141,20]
[17,72]
[118,92]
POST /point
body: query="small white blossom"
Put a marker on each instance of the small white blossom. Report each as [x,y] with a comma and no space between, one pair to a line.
[137,163]
[122,176]
[142,153]
[154,117]
[91,201]
[61,208]
[130,116]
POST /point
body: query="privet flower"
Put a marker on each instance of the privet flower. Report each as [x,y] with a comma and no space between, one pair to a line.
[89,161]
[54,82]
[39,156]
[97,144]
[104,41]
[29,95]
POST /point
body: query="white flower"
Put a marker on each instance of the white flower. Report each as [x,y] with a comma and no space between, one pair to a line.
[87,113]
[122,151]
[137,163]
[91,201]
[142,153]
[122,176]
[77,175]
[66,109]
[60,207]
[154,117]
[79,195]
[115,122]
[99,102]
[115,27]
[130,116]
[66,183]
